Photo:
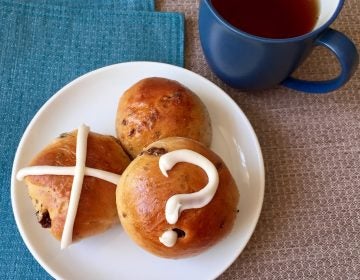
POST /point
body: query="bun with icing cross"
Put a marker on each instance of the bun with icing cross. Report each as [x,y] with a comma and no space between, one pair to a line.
[50,194]
[177,198]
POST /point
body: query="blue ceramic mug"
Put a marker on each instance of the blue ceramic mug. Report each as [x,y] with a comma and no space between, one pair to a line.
[247,61]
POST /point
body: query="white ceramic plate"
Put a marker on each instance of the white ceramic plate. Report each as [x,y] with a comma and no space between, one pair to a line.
[92,99]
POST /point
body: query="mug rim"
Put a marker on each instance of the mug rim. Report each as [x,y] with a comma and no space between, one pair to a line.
[325,25]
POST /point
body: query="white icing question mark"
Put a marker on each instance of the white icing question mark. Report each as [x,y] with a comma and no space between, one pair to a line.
[180,202]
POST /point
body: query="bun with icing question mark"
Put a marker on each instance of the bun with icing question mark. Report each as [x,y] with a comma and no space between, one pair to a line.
[171,208]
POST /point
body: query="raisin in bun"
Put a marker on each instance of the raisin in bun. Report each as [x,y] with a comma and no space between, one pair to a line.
[50,194]
[156,108]
[143,191]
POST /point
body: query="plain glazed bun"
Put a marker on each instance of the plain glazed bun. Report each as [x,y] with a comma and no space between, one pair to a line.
[156,108]
[143,190]
[50,194]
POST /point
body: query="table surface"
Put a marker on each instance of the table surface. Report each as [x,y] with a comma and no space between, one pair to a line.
[309,227]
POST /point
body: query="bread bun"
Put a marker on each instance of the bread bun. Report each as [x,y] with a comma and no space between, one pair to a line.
[50,194]
[156,108]
[143,191]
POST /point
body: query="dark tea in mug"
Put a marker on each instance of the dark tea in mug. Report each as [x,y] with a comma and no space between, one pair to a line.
[276,19]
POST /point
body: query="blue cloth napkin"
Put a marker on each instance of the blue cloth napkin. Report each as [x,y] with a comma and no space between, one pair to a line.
[124,5]
[42,48]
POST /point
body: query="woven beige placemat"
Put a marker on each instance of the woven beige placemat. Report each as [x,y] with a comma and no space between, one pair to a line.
[309,227]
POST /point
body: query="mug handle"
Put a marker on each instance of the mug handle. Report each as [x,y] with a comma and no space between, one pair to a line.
[346,53]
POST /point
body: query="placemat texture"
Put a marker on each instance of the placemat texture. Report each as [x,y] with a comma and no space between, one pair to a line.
[43,47]
[309,227]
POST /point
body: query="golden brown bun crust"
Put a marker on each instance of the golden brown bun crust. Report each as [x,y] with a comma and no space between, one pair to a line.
[143,190]
[97,205]
[156,108]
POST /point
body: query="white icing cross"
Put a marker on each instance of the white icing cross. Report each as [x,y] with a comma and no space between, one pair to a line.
[81,148]
[67,170]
